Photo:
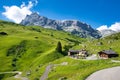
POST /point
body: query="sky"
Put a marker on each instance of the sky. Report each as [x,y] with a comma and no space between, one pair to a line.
[100,14]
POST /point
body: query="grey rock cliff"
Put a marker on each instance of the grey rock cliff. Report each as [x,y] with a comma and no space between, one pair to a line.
[73,26]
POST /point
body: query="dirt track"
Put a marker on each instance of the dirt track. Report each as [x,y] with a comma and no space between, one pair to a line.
[45,75]
[106,74]
[18,75]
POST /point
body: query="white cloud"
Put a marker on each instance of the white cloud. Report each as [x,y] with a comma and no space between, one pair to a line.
[103,27]
[18,13]
[114,27]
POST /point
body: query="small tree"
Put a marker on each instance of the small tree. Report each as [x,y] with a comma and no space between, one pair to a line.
[59,47]
[51,34]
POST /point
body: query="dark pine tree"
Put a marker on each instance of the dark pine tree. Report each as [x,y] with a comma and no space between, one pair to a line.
[59,47]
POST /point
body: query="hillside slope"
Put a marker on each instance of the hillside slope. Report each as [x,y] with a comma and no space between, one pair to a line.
[31,50]
[106,43]
[79,69]
[23,48]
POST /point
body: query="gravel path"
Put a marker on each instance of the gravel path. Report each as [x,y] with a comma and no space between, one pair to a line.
[106,74]
[45,74]
[92,57]
[18,75]
[48,69]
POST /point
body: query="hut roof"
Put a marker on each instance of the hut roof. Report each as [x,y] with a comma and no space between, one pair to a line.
[108,52]
[74,50]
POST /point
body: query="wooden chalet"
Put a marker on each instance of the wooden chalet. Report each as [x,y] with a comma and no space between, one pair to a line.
[105,54]
[78,53]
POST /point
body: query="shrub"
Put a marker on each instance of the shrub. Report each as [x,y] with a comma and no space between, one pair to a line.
[36,79]
[13,64]
[14,60]
[63,78]
[35,29]
[51,34]
[36,37]
[1,76]
[3,33]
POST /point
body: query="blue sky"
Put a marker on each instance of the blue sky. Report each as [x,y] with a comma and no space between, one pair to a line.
[94,12]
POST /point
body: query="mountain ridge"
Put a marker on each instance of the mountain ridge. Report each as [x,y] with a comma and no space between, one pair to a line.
[73,26]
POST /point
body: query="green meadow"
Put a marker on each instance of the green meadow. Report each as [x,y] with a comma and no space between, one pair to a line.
[32,49]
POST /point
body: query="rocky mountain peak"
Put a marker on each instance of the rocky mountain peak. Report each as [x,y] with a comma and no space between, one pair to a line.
[73,26]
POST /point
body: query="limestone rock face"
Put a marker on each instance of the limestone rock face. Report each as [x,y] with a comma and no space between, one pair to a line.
[73,26]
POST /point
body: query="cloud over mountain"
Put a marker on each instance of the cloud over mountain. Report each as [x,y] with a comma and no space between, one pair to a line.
[18,13]
[114,27]
[103,27]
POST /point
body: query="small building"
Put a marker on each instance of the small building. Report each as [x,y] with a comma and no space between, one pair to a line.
[78,53]
[105,54]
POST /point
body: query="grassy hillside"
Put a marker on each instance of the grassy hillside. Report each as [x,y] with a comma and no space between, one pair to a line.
[25,48]
[31,49]
[109,42]
[80,69]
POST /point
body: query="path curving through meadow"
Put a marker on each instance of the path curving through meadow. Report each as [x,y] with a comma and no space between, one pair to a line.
[106,74]
[45,74]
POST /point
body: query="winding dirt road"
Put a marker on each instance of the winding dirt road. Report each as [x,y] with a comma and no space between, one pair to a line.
[106,74]
[45,75]
[18,75]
